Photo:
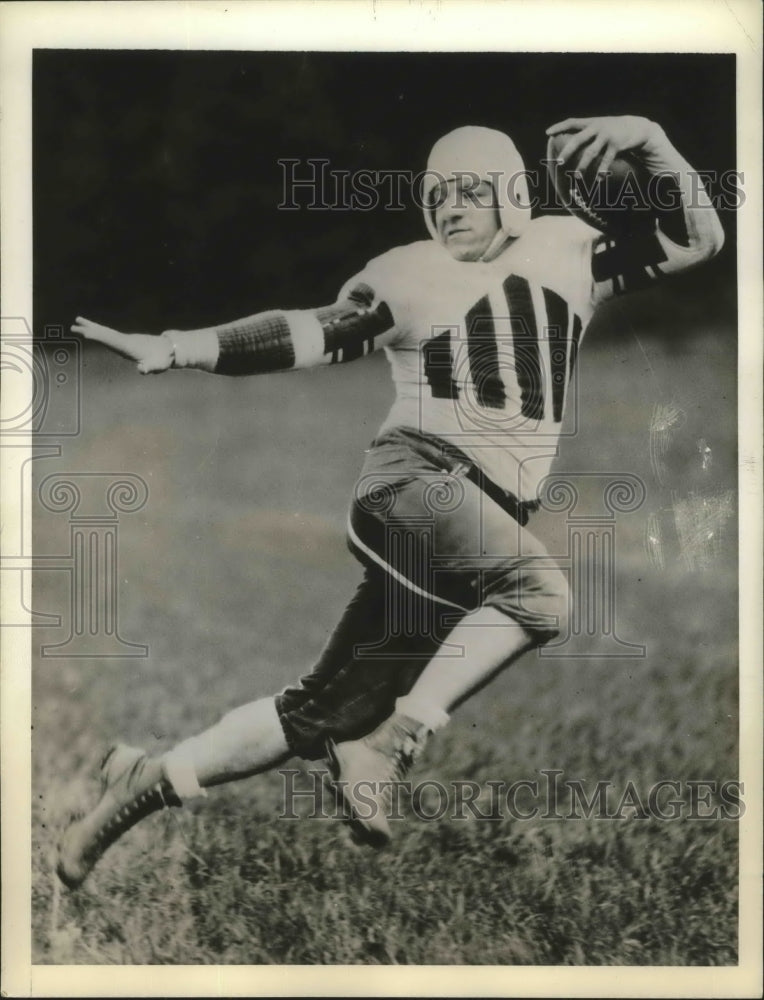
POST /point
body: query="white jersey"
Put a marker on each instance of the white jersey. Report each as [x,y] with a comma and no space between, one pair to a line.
[483,353]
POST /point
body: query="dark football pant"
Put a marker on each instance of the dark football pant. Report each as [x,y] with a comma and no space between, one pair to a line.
[437,542]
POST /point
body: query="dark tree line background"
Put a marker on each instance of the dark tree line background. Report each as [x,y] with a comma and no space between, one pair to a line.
[156,181]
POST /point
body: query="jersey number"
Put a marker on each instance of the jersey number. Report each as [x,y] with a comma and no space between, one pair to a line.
[483,352]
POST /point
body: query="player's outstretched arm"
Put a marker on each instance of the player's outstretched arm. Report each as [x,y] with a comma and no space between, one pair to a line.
[355,325]
[601,140]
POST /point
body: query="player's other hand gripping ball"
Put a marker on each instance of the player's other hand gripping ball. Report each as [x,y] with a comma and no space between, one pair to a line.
[614,193]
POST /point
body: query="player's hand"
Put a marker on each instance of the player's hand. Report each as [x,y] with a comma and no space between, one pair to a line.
[151,354]
[605,137]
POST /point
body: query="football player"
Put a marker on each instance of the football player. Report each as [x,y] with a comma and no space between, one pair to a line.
[482,324]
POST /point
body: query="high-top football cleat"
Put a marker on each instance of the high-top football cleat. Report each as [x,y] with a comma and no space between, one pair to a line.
[133,785]
[363,773]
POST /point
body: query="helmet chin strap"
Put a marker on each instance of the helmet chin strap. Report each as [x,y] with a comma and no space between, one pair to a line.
[497,245]
[501,238]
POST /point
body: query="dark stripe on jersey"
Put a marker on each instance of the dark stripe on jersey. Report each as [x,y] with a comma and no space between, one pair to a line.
[439,366]
[575,341]
[557,328]
[625,262]
[483,355]
[352,324]
[257,344]
[526,345]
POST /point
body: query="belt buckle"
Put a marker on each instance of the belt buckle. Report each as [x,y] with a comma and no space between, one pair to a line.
[460,469]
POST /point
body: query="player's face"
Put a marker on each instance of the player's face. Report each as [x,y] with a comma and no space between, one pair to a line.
[466,218]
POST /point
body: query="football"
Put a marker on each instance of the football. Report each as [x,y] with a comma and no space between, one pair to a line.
[619,202]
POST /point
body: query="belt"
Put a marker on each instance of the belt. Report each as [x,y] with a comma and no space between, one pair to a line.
[520,510]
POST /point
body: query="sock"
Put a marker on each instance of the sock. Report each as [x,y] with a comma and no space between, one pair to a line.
[181,774]
[429,715]
[246,741]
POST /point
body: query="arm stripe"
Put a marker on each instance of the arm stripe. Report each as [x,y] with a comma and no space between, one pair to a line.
[302,338]
[351,325]
[260,343]
[624,261]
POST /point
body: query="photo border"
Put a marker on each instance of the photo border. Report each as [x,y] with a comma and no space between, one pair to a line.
[376,25]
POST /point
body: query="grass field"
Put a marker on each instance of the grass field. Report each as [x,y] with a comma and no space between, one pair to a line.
[235,573]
